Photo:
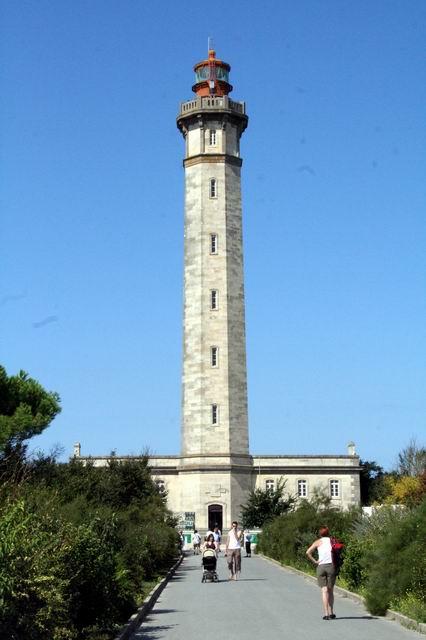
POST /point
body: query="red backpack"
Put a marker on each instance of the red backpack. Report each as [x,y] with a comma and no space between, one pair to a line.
[337,553]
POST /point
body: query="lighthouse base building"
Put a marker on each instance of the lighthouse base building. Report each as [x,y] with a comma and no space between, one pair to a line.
[212,477]
[202,495]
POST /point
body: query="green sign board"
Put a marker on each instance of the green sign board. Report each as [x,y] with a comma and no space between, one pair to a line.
[186,520]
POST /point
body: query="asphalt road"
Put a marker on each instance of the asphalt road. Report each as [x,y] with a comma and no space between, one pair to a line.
[267,603]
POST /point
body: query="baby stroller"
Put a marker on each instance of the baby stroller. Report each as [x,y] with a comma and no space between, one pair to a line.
[209,566]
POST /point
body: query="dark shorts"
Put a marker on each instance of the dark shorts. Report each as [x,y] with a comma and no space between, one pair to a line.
[326,575]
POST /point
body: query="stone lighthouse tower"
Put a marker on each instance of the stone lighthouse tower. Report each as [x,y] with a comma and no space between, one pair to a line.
[215,466]
[212,477]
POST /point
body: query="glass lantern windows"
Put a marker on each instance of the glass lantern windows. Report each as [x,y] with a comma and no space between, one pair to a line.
[202,74]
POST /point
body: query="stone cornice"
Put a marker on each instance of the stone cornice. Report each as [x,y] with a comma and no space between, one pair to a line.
[216,468]
[288,471]
[222,158]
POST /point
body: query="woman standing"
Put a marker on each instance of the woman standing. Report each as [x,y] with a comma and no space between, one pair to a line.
[326,573]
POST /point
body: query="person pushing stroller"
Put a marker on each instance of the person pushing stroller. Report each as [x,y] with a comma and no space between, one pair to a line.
[209,560]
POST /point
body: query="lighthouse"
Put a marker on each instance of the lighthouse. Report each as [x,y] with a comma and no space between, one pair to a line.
[215,466]
[208,482]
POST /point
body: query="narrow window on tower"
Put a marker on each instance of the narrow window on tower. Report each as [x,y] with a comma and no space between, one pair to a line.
[334,489]
[213,188]
[214,356]
[161,486]
[215,414]
[302,488]
[213,243]
[214,299]
[270,485]
[212,137]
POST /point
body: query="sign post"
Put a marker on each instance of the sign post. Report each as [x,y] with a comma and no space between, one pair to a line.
[186,523]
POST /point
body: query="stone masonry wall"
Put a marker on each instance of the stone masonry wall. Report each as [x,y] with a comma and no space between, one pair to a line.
[204,327]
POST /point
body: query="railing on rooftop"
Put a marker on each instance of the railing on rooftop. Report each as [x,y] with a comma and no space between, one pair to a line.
[212,103]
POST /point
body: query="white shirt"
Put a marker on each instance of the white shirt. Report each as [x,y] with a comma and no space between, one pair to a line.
[197,538]
[324,551]
[234,537]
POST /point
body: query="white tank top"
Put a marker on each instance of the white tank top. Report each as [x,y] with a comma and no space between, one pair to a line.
[324,552]
[234,540]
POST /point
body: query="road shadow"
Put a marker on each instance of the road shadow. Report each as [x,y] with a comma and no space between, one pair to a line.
[151,632]
[155,612]
[353,618]
[251,579]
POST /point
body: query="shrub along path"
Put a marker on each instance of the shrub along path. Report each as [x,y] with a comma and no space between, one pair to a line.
[267,603]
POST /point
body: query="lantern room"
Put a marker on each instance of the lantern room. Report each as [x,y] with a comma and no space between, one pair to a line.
[212,77]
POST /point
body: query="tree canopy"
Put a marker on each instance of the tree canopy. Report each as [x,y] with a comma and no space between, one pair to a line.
[412,460]
[265,504]
[372,484]
[26,408]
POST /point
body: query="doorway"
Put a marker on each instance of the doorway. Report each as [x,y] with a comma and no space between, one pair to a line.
[215,517]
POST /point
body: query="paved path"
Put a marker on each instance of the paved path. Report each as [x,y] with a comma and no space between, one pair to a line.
[268,603]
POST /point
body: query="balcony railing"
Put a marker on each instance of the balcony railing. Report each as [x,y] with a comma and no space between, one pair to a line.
[212,103]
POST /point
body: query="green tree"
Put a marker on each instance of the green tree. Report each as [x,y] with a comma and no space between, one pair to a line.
[412,460]
[264,505]
[407,490]
[26,409]
[372,484]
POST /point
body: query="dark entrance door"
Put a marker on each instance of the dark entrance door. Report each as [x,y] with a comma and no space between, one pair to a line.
[215,516]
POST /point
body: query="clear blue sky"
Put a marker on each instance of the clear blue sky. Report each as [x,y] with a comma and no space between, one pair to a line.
[334,186]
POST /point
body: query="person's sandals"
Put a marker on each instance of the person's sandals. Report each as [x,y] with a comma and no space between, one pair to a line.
[326,617]
[332,616]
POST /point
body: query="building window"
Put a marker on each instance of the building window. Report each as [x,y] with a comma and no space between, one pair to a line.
[214,299]
[212,137]
[302,488]
[270,485]
[161,486]
[213,188]
[215,414]
[213,243]
[214,356]
[334,489]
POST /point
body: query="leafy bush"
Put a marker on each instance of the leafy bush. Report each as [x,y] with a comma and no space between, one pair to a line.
[32,603]
[97,589]
[411,605]
[286,538]
[78,546]
[56,579]
[397,561]
[354,572]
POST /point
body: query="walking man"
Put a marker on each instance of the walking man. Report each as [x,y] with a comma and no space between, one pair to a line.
[233,551]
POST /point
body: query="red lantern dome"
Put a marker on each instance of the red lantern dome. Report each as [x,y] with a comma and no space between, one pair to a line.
[212,77]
